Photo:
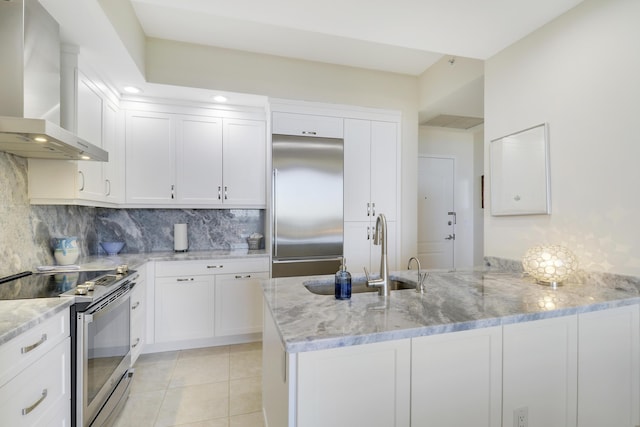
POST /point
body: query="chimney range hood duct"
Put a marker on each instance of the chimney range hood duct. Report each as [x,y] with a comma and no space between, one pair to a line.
[30,87]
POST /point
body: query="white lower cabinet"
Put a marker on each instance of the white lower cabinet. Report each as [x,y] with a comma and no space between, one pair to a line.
[363,385]
[138,314]
[539,372]
[35,389]
[209,302]
[184,308]
[238,303]
[456,379]
[608,368]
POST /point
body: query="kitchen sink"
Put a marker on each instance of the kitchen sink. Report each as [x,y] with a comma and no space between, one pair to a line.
[357,287]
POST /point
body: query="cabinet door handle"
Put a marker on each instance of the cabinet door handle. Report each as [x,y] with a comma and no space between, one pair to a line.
[136,344]
[108,185]
[189,279]
[219,192]
[245,276]
[225,193]
[368,209]
[214,266]
[81,176]
[368,233]
[373,209]
[173,196]
[309,132]
[28,409]
[134,306]
[33,346]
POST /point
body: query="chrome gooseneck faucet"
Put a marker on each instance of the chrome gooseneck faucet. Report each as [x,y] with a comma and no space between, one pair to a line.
[420,287]
[380,238]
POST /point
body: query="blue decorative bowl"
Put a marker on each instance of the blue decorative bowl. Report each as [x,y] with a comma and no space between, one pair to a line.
[112,248]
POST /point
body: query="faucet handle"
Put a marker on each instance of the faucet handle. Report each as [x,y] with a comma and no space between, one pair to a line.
[366,273]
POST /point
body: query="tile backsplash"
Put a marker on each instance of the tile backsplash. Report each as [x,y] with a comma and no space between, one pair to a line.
[26,231]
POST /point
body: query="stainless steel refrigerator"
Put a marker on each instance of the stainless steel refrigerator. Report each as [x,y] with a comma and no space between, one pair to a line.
[307,207]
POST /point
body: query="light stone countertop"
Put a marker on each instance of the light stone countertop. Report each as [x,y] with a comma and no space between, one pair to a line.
[454,301]
[18,316]
[135,260]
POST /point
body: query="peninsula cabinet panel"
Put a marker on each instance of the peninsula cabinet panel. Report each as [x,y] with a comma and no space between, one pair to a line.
[456,379]
[540,371]
[608,368]
[363,385]
[150,152]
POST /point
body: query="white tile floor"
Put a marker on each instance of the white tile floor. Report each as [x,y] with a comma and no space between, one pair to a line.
[208,387]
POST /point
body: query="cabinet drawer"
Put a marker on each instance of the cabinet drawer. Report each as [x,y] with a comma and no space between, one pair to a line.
[207,267]
[26,348]
[41,388]
[307,125]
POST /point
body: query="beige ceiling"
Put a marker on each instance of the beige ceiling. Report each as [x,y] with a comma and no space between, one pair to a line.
[403,36]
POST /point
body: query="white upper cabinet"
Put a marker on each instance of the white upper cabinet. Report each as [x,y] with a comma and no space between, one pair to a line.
[307,125]
[92,116]
[188,160]
[150,167]
[244,170]
[199,160]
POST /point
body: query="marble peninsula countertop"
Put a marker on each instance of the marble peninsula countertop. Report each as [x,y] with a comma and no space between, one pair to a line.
[453,301]
[18,316]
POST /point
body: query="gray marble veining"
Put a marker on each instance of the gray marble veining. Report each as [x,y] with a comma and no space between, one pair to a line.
[453,301]
[27,231]
[18,316]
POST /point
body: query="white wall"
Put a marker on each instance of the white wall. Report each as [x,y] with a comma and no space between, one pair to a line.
[459,145]
[580,74]
[183,64]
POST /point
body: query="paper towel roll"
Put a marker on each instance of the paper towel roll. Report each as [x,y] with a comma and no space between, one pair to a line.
[180,241]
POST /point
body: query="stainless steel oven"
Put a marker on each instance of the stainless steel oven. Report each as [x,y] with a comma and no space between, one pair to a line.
[102,351]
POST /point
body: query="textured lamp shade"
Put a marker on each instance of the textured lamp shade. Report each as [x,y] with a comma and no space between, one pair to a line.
[550,264]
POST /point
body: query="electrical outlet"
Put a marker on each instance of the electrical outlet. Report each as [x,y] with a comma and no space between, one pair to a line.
[521,417]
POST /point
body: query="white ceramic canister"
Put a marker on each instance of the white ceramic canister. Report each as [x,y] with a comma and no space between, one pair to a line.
[65,250]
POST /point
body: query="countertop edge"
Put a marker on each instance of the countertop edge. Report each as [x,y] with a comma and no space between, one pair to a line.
[45,307]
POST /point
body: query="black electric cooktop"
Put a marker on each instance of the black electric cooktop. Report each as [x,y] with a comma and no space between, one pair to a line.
[39,285]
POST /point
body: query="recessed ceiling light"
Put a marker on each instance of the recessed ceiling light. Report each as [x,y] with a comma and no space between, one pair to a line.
[220,98]
[40,139]
[85,157]
[132,89]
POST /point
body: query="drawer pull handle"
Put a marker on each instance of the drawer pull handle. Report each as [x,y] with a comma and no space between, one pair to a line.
[136,344]
[28,348]
[240,276]
[190,279]
[215,266]
[134,306]
[309,132]
[27,410]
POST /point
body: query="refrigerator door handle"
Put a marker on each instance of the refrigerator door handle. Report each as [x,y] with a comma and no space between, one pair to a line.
[275,212]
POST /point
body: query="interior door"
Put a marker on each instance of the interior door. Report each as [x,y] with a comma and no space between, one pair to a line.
[436,217]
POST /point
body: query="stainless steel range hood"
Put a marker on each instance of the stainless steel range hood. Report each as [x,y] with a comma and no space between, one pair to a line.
[30,87]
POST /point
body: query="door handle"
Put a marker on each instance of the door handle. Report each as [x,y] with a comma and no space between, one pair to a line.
[450,237]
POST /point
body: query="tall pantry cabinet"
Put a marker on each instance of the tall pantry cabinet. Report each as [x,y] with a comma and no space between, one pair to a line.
[370,189]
